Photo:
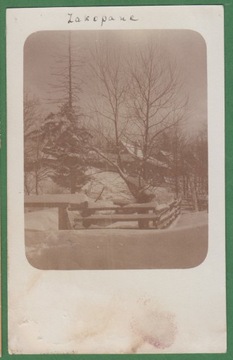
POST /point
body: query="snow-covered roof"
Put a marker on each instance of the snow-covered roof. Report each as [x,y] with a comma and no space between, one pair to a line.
[165,153]
[137,152]
[157,163]
[133,150]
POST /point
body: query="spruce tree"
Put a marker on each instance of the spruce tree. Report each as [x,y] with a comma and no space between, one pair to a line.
[67,149]
[66,139]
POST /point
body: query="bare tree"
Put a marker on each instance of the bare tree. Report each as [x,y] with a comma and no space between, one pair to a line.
[197,160]
[141,99]
[109,106]
[35,168]
[177,146]
[156,103]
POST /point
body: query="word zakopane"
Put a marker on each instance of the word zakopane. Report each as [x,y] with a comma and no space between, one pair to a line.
[99,19]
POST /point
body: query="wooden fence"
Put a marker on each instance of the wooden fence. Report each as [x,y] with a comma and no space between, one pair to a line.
[147,215]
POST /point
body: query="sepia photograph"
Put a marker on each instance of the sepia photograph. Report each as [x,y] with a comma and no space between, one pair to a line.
[115,149]
[115,180]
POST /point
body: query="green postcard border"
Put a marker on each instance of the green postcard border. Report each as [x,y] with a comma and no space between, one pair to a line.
[228,28]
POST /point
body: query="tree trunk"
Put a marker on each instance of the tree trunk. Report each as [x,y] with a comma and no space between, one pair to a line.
[194,194]
[72,182]
[138,190]
[36,182]
[184,186]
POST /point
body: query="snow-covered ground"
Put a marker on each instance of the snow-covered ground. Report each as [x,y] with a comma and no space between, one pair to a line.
[115,311]
[112,187]
[182,247]
[133,311]
[106,186]
[109,184]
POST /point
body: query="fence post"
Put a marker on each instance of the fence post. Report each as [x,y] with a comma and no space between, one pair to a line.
[63,220]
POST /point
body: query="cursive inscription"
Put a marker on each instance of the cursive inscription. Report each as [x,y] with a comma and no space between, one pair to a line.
[99,19]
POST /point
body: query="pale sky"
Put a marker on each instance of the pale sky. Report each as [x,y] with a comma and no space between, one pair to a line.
[187,48]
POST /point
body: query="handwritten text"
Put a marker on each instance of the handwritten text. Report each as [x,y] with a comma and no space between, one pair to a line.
[99,19]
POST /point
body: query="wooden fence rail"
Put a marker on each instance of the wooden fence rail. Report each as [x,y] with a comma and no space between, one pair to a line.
[90,213]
